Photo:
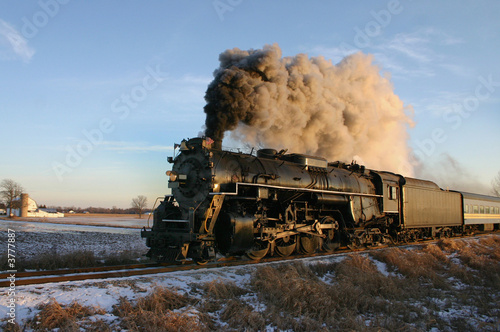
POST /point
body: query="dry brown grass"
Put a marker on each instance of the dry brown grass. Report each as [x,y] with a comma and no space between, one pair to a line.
[241,316]
[451,285]
[220,289]
[155,312]
[479,260]
[52,261]
[10,327]
[410,263]
[423,283]
[454,272]
[217,293]
[53,315]
[296,298]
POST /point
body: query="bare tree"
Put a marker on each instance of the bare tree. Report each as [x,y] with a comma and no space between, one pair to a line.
[139,204]
[496,185]
[10,190]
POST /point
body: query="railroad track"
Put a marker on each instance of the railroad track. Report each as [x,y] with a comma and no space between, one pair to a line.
[101,272]
[104,272]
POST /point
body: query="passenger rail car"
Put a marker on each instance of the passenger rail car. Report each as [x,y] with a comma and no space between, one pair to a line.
[481,210]
[274,203]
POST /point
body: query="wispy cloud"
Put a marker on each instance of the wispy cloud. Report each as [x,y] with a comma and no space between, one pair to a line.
[13,45]
[420,45]
[413,46]
[441,102]
[397,67]
[422,50]
[417,53]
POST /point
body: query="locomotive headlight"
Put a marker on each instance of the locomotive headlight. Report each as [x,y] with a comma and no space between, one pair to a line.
[173,175]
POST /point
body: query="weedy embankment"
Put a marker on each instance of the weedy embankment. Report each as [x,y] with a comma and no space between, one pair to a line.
[453,285]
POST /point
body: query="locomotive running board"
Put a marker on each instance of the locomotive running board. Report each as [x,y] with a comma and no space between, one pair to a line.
[293,189]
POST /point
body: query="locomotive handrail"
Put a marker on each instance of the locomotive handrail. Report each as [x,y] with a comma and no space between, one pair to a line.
[212,213]
[293,188]
[152,210]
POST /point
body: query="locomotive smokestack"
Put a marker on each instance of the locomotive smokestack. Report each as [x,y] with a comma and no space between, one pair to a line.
[217,144]
[308,105]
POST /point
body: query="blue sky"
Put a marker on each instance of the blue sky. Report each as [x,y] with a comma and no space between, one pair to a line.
[93,95]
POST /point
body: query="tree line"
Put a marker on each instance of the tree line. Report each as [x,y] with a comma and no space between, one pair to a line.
[10,191]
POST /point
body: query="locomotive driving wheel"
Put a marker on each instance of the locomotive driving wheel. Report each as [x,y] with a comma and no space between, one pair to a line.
[308,244]
[259,250]
[332,239]
[286,245]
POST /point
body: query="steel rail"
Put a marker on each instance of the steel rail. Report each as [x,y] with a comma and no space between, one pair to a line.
[41,273]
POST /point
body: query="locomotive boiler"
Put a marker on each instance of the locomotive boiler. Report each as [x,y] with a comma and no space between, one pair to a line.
[274,203]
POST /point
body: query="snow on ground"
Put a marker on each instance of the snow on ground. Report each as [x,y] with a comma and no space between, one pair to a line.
[34,238]
[106,292]
[112,220]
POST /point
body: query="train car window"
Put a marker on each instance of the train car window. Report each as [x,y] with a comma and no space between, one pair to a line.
[496,210]
[476,210]
[487,210]
[492,210]
[481,209]
[466,208]
[393,193]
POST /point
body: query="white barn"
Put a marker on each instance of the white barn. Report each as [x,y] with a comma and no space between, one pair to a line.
[33,210]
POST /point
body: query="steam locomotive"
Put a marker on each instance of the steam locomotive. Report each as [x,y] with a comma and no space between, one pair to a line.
[274,203]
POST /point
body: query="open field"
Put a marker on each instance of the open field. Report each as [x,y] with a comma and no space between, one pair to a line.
[105,215]
[92,219]
[44,244]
